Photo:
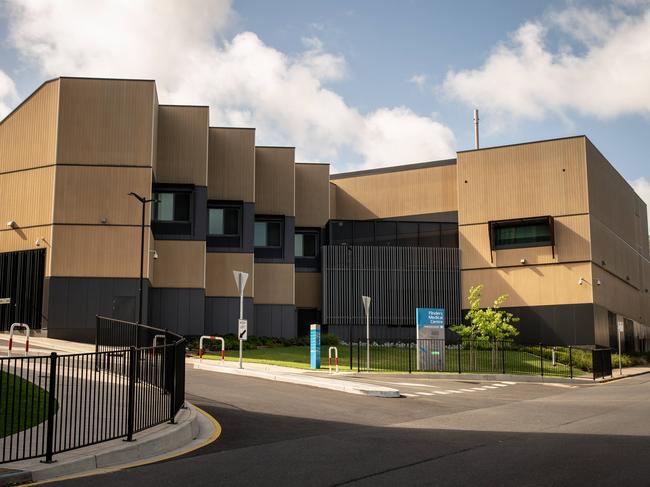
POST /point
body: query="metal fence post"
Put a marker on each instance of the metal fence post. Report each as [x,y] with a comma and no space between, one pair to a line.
[51,400]
[172,395]
[541,359]
[351,350]
[358,356]
[459,343]
[96,333]
[570,364]
[409,352]
[503,357]
[133,363]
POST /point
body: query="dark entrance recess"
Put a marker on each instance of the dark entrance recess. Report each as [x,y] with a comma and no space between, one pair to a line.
[306,317]
[21,280]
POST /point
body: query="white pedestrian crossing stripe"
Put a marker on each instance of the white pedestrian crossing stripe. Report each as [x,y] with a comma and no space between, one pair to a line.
[460,391]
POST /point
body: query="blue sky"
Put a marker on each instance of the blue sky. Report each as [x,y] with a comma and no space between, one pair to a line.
[363,83]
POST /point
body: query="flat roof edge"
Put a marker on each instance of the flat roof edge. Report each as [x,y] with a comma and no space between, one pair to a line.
[389,169]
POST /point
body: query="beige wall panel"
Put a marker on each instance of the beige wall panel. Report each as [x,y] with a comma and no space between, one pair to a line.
[180,263]
[219,279]
[274,284]
[618,296]
[231,164]
[541,178]
[620,258]
[531,285]
[312,195]
[28,135]
[97,251]
[309,289]
[571,238]
[645,292]
[26,197]
[393,194]
[332,200]
[613,201]
[106,122]
[275,181]
[86,194]
[182,151]
[25,239]
[154,135]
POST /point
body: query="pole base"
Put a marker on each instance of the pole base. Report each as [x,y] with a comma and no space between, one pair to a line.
[48,461]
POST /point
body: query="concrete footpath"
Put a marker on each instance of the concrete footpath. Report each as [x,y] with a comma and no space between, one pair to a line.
[305,377]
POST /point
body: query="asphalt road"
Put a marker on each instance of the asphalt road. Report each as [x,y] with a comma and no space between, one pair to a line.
[510,434]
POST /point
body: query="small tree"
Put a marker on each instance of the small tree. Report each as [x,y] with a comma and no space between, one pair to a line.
[489,324]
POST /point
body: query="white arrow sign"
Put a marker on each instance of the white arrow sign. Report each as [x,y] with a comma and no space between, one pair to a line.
[243,329]
[366,303]
[240,279]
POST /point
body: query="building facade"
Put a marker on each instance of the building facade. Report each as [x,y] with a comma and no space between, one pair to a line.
[550,223]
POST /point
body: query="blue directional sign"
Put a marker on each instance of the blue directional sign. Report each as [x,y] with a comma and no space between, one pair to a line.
[430,316]
[314,346]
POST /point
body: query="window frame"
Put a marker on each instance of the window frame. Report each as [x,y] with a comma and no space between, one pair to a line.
[269,253]
[310,263]
[226,240]
[170,229]
[515,222]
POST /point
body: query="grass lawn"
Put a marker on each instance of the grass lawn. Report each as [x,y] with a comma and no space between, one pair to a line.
[22,404]
[396,359]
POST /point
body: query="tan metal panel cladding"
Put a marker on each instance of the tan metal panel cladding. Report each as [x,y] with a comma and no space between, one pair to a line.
[531,285]
[26,197]
[618,296]
[309,290]
[182,148]
[28,134]
[275,180]
[394,194]
[97,251]
[613,253]
[25,239]
[106,122]
[613,201]
[219,279]
[332,200]
[274,283]
[87,194]
[571,244]
[180,264]
[231,164]
[312,195]
[536,179]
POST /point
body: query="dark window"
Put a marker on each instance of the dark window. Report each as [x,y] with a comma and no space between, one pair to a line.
[269,237]
[528,232]
[307,249]
[171,212]
[364,233]
[429,235]
[224,225]
[449,235]
[341,233]
[385,233]
[407,234]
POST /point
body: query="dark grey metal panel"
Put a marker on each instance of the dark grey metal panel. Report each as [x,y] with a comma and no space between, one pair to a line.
[398,279]
[199,218]
[180,310]
[222,313]
[278,320]
[562,324]
[443,216]
[73,302]
[289,239]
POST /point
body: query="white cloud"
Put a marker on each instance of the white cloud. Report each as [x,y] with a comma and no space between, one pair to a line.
[184,46]
[419,80]
[8,94]
[642,188]
[605,75]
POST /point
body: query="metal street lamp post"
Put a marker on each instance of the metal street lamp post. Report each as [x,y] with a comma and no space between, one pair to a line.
[144,202]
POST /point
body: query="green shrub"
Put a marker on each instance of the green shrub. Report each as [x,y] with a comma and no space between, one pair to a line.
[329,340]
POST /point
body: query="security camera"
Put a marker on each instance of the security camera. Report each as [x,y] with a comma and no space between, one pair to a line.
[12,224]
[597,282]
[38,242]
[155,254]
[523,261]
[581,281]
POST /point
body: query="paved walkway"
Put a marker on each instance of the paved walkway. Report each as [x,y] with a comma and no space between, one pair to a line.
[41,346]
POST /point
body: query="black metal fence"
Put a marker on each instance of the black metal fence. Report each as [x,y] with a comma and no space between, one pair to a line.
[477,356]
[52,404]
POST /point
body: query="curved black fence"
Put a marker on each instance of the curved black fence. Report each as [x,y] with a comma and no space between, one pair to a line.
[133,381]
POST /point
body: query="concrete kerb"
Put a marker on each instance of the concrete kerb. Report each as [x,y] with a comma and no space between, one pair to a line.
[299,377]
[624,376]
[149,446]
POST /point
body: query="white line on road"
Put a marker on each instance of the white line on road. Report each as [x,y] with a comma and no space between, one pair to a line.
[411,384]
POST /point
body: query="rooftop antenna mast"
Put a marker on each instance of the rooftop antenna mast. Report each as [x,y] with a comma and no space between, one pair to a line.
[476,146]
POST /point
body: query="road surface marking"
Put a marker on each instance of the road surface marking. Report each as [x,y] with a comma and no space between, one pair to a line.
[406,394]
[500,385]
[468,390]
[489,387]
[411,384]
[424,393]
[508,382]
[478,389]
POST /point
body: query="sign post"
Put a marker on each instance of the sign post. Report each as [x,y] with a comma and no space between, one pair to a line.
[242,324]
[430,336]
[366,307]
[314,346]
[620,322]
